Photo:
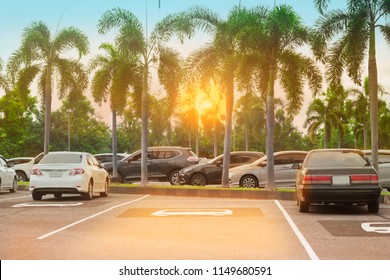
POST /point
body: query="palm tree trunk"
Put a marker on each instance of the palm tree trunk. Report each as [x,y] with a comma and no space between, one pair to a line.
[114,147]
[144,119]
[48,98]
[270,185]
[373,95]
[228,129]
[215,137]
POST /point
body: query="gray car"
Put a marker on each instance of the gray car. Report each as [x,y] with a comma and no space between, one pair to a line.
[164,164]
[383,166]
[254,175]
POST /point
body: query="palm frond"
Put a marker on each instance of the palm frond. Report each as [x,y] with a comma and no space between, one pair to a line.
[385,29]
[71,38]
[203,18]
[332,23]
[170,73]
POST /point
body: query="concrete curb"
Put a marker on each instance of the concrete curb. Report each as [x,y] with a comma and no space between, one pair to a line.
[219,193]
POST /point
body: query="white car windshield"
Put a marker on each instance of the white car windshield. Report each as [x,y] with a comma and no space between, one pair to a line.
[61,158]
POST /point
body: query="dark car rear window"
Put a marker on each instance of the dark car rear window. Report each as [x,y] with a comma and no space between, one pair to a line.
[336,159]
[61,158]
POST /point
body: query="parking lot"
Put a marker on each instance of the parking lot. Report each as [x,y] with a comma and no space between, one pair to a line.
[146,227]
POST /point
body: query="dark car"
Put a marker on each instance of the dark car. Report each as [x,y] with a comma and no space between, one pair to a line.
[107,157]
[339,176]
[164,164]
[211,172]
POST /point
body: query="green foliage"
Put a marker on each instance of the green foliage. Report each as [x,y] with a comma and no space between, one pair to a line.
[18,122]
[87,132]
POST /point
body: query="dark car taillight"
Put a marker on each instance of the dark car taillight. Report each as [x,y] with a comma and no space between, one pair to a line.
[317,179]
[364,179]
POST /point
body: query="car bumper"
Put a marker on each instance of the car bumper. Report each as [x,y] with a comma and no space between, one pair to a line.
[76,184]
[184,179]
[338,194]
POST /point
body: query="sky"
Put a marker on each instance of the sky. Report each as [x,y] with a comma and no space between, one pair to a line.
[15,15]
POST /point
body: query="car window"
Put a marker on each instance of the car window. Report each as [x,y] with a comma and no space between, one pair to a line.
[383,158]
[168,154]
[3,162]
[282,159]
[298,158]
[90,160]
[235,159]
[61,158]
[336,159]
[38,158]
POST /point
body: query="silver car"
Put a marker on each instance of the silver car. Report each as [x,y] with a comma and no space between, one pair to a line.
[383,166]
[254,175]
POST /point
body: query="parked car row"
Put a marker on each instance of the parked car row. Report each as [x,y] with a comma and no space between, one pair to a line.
[319,176]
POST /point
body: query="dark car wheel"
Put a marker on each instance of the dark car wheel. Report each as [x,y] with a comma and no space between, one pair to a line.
[249,181]
[105,193]
[14,186]
[174,178]
[118,179]
[303,206]
[373,207]
[89,195]
[21,176]
[198,180]
[37,196]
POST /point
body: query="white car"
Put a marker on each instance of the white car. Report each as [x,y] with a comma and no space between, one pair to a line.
[68,173]
[23,169]
[254,175]
[8,179]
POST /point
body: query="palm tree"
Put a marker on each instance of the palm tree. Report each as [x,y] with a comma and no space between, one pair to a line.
[360,105]
[217,61]
[114,73]
[271,41]
[250,112]
[355,33]
[147,48]
[321,115]
[40,54]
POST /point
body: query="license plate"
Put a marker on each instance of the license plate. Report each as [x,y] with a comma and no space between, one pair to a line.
[341,180]
[55,174]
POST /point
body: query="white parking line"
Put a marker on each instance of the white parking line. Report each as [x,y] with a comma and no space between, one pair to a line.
[90,217]
[13,198]
[43,204]
[298,233]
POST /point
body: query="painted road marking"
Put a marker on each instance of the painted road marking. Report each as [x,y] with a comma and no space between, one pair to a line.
[378,227]
[47,204]
[90,217]
[13,198]
[192,212]
[298,233]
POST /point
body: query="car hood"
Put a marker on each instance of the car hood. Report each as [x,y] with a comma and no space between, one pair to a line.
[198,166]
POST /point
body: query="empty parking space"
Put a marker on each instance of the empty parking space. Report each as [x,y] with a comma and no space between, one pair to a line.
[165,227]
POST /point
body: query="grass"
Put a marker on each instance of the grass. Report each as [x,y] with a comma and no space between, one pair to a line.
[213,187]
